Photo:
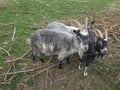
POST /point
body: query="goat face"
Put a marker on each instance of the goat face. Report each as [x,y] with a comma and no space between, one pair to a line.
[102,46]
[83,37]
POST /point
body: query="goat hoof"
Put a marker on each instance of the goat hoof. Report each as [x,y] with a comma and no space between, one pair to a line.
[42,60]
[60,67]
[85,74]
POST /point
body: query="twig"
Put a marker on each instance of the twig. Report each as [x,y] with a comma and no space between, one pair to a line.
[17,72]
[5,77]
[13,64]
[85,84]
[116,37]
[13,36]
[7,52]
[16,1]
[34,81]
[19,57]
[45,69]
[5,83]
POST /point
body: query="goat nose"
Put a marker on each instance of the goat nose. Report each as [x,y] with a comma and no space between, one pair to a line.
[104,51]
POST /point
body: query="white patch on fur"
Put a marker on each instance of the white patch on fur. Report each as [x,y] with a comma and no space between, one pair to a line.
[85,33]
[104,50]
[44,46]
[72,27]
[84,47]
[51,47]
[106,39]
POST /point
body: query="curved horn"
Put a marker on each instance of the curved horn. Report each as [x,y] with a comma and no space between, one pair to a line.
[99,33]
[86,24]
[94,31]
[106,34]
[79,25]
[93,19]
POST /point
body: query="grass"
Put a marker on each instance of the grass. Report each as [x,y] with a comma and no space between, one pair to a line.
[29,15]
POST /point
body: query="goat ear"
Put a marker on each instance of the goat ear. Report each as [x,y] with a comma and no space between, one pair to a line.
[76,32]
[107,40]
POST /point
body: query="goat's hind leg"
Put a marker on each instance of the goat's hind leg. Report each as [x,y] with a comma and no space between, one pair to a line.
[41,59]
[60,58]
[40,55]
[68,60]
[33,55]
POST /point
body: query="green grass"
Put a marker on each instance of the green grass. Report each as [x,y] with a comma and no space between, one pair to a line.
[29,15]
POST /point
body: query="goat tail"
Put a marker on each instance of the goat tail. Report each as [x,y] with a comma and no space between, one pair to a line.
[28,40]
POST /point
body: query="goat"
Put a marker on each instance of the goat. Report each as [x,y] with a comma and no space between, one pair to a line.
[95,48]
[101,44]
[49,43]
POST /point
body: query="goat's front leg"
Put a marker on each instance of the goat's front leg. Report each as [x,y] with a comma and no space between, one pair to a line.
[61,57]
[81,61]
[86,68]
[85,71]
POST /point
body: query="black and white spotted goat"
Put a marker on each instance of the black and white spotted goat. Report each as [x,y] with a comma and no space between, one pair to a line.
[50,42]
[97,46]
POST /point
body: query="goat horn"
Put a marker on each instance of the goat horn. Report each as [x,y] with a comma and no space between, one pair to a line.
[93,19]
[79,24]
[99,33]
[106,34]
[94,31]
[86,23]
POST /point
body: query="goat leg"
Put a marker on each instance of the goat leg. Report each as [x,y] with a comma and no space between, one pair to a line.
[42,60]
[33,56]
[68,62]
[60,65]
[81,61]
[86,68]
[85,71]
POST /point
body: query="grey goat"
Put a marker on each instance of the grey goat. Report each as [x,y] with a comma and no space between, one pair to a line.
[62,44]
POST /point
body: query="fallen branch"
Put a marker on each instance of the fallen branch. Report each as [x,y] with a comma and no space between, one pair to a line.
[17,72]
[19,57]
